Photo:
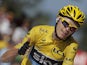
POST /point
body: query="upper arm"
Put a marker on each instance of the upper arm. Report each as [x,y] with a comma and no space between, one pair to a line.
[70,53]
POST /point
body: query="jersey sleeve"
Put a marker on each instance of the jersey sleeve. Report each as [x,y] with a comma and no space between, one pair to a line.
[31,35]
[70,53]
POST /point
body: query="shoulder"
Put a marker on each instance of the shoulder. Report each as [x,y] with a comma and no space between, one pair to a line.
[72,46]
[42,28]
[71,40]
[73,43]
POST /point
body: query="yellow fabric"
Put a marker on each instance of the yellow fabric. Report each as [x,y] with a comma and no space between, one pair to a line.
[41,37]
[3,44]
[25,61]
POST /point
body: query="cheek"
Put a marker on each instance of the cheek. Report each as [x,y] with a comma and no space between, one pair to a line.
[70,33]
[58,29]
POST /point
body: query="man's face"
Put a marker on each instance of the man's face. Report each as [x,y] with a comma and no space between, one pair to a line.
[65,27]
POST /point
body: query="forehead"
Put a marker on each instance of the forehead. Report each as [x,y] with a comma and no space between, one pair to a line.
[71,22]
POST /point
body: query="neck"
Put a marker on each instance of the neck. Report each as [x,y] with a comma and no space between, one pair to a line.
[57,38]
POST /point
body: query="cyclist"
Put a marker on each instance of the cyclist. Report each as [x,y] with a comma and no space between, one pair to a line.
[52,45]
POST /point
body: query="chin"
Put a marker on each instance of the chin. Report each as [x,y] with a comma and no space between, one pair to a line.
[62,37]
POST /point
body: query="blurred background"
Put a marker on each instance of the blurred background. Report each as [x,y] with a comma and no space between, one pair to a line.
[17,17]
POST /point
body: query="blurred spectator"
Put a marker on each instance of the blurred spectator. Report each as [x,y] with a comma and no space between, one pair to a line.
[4,46]
[3,49]
[81,58]
[21,31]
[5,24]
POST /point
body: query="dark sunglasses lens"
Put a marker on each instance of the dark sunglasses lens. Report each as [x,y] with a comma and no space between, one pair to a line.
[65,24]
[72,29]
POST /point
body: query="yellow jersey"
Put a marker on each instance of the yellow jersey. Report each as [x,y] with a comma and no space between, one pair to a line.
[43,41]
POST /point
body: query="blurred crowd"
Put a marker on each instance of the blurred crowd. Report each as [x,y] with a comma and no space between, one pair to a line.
[13,29]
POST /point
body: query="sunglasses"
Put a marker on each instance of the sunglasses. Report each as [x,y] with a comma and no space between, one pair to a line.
[66,24]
